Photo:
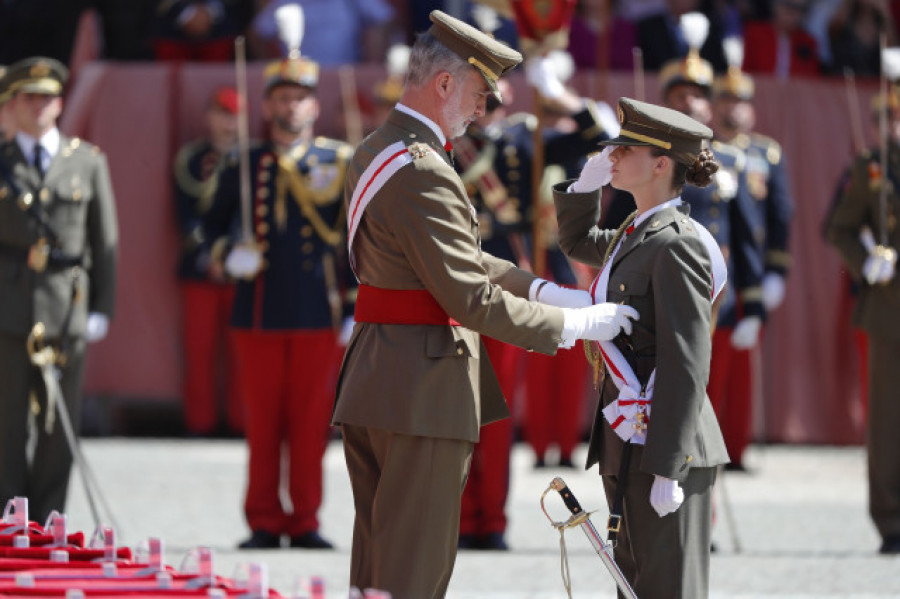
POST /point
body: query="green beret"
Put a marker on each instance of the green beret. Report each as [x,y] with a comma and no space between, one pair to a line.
[35,75]
[491,58]
[646,124]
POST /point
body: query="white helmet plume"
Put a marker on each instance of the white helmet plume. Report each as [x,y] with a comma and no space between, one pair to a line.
[695,27]
[890,63]
[733,47]
[289,19]
[397,62]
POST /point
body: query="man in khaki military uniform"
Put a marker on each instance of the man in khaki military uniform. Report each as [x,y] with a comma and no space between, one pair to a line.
[58,238]
[866,235]
[415,387]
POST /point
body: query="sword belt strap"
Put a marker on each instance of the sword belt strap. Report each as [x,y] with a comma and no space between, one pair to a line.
[56,258]
[617,514]
[399,306]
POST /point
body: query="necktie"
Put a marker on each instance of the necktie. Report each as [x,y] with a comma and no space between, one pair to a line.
[39,160]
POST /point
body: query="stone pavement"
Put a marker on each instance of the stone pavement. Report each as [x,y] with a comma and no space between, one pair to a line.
[801,530]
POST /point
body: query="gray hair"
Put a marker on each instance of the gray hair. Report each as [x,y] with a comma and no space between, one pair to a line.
[429,57]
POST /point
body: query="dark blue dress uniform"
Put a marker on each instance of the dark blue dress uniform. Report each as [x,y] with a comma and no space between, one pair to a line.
[205,303]
[496,165]
[284,320]
[767,182]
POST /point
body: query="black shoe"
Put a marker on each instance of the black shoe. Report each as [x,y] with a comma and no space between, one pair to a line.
[468,542]
[890,545]
[310,540]
[493,541]
[261,539]
[566,462]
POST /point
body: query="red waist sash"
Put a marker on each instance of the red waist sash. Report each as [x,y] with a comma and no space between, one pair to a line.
[399,306]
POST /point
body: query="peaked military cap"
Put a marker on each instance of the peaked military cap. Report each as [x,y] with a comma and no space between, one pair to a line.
[491,58]
[293,70]
[691,70]
[35,75]
[646,124]
[734,83]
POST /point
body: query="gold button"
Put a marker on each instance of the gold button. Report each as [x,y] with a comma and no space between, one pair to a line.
[266,160]
[306,231]
[263,246]
[412,135]
[307,248]
[262,228]
[76,195]
[714,212]
[622,287]
[262,193]
[3,193]
[44,194]
[459,351]
[262,210]
[264,176]
[689,459]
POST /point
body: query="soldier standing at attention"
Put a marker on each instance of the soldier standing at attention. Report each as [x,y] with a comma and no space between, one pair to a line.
[416,384]
[655,435]
[206,293]
[58,237]
[288,303]
[772,208]
[859,218]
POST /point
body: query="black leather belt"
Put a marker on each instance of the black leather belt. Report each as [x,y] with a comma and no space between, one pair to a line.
[56,258]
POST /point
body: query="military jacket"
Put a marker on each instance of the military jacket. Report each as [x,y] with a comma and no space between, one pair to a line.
[299,224]
[858,205]
[663,270]
[419,231]
[768,185]
[194,169]
[76,200]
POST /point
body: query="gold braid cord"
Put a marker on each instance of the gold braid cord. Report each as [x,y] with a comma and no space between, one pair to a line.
[591,351]
[291,179]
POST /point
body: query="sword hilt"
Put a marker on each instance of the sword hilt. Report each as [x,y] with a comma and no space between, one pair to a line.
[568,498]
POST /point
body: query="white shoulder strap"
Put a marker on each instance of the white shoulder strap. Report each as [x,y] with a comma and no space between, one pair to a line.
[380,170]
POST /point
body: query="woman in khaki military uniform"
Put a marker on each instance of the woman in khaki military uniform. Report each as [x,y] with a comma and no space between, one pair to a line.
[655,436]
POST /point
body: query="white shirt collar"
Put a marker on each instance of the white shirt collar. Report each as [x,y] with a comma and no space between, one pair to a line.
[418,115]
[676,201]
[49,140]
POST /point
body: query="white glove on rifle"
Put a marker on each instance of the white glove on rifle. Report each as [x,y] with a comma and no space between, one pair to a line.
[772,290]
[539,72]
[746,332]
[243,262]
[600,322]
[665,495]
[96,327]
[596,172]
[879,266]
[548,292]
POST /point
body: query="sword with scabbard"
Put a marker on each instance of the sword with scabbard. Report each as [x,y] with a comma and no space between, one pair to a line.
[582,519]
[46,358]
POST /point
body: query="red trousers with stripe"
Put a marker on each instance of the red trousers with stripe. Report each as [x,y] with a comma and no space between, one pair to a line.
[484,498]
[730,390]
[285,380]
[555,400]
[208,358]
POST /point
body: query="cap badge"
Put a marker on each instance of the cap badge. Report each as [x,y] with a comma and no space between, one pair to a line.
[39,70]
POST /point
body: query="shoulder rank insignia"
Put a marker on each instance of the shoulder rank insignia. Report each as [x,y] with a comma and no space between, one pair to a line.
[418,150]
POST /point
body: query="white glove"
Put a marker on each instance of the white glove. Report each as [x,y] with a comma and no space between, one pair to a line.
[879,267]
[96,327]
[243,262]
[539,72]
[665,495]
[772,290]
[553,295]
[600,322]
[746,332]
[596,173]
[346,331]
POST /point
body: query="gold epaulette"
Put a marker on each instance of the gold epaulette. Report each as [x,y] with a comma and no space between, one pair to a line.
[531,121]
[773,148]
[740,157]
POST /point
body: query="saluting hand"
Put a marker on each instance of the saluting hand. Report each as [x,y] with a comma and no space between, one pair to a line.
[596,172]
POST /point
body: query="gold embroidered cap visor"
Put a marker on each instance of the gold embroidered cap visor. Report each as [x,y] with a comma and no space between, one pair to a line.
[644,124]
[491,58]
[35,75]
[291,71]
[734,83]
